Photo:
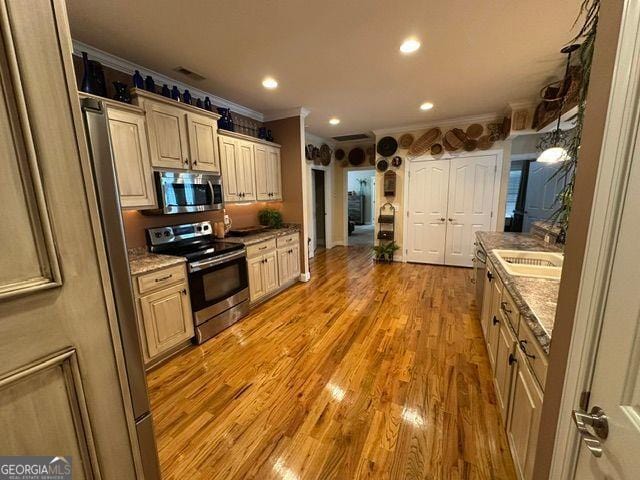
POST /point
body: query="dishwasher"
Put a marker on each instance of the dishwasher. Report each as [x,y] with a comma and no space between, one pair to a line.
[480,270]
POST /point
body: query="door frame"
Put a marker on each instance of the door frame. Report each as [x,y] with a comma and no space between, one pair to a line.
[497,183]
[345,200]
[618,140]
[328,219]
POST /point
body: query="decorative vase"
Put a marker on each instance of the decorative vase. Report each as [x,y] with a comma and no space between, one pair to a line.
[225,122]
[262,133]
[122,93]
[207,104]
[149,84]
[269,136]
[93,77]
[165,91]
[199,103]
[175,93]
[138,82]
[186,97]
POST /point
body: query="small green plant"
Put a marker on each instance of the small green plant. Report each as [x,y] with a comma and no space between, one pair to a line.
[270,217]
[384,251]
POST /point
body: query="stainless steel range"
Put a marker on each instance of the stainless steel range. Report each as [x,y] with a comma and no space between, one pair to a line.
[218,277]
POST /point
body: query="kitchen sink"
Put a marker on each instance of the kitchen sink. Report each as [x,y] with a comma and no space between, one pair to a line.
[531,264]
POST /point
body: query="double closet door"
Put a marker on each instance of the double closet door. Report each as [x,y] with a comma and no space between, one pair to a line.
[448,201]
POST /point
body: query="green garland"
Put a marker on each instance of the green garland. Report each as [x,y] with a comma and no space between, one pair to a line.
[589,9]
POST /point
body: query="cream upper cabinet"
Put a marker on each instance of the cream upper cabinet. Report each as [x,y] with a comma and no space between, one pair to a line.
[246,171]
[203,143]
[167,135]
[268,182]
[128,132]
[273,173]
[229,159]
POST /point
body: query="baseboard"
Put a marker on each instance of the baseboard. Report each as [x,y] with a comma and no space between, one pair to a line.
[338,243]
[305,277]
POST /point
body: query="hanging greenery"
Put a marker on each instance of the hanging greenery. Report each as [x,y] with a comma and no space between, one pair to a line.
[589,11]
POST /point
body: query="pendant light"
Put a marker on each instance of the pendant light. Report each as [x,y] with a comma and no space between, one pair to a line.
[557,153]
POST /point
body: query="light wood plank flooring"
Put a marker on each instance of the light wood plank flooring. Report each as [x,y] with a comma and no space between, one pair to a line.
[367,371]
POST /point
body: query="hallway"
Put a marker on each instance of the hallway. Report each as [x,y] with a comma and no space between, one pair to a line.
[367,371]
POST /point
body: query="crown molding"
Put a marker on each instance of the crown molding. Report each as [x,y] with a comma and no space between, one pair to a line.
[447,122]
[287,113]
[123,65]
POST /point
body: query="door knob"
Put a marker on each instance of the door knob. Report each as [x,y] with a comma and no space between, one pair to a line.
[595,420]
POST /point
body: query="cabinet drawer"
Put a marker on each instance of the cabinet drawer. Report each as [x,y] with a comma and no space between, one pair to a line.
[536,358]
[287,240]
[261,248]
[509,310]
[160,278]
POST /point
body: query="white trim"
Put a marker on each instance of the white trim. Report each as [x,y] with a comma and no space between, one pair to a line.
[123,65]
[447,122]
[613,170]
[288,113]
[305,277]
[524,156]
[328,195]
[497,184]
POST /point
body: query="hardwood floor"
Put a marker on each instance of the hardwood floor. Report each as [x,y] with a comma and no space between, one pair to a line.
[366,371]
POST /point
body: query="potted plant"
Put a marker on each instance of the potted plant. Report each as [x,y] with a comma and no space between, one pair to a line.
[384,251]
[270,217]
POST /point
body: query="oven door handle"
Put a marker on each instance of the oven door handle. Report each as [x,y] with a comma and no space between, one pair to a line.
[197,266]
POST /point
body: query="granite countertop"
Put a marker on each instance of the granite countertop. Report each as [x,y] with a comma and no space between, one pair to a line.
[142,261]
[264,235]
[536,298]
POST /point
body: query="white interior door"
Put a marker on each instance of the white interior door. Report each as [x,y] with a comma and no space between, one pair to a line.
[427,207]
[616,381]
[471,181]
[541,193]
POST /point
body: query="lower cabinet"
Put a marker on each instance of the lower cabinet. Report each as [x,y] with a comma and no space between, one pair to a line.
[164,312]
[524,417]
[493,320]
[505,359]
[263,275]
[288,264]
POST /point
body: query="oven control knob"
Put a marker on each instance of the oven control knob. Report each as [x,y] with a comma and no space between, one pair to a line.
[206,227]
[166,233]
[158,234]
[198,228]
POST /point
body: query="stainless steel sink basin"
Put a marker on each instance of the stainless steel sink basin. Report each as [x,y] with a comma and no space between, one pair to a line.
[531,264]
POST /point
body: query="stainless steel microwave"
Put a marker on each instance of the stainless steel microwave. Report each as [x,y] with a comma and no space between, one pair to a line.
[180,192]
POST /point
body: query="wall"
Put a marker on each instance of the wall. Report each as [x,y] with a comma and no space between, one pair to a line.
[586,177]
[398,200]
[289,132]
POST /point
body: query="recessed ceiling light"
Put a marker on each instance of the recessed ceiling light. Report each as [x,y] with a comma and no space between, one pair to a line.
[410,45]
[426,106]
[334,121]
[269,83]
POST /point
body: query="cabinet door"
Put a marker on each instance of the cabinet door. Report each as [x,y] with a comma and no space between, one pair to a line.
[270,272]
[256,282]
[505,358]
[284,265]
[273,174]
[167,320]
[486,315]
[295,261]
[203,143]
[494,322]
[524,418]
[245,172]
[131,157]
[261,159]
[167,135]
[229,163]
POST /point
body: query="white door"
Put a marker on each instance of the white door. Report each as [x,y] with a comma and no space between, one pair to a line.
[470,204]
[428,184]
[616,381]
[542,190]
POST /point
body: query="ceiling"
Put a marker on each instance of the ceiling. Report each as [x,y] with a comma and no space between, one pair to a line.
[341,58]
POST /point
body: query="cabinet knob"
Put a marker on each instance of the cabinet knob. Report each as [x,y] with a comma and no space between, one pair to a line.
[195,162]
[184,291]
[523,347]
[186,161]
[495,320]
[512,359]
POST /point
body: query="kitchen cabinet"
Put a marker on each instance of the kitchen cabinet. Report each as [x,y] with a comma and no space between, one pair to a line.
[268,171]
[487,291]
[273,265]
[238,169]
[127,127]
[504,361]
[493,329]
[263,275]
[288,264]
[524,417]
[181,137]
[164,312]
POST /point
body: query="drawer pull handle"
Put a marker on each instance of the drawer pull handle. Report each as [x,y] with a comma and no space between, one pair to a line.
[162,279]
[512,359]
[495,320]
[503,305]
[262,248]
[184,291]
[490,276]
[523,347]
